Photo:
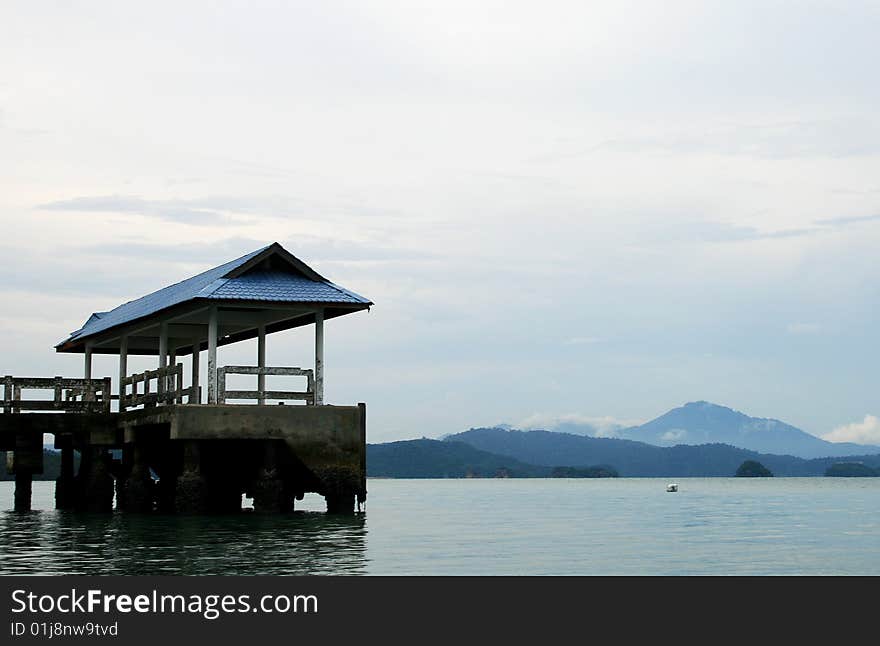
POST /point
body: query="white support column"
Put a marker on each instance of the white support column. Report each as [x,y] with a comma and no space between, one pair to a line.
[261,362]
[163,344]
[319,357]
[212,355]
[123,368]
[163,355]
[87,363]
[195,372]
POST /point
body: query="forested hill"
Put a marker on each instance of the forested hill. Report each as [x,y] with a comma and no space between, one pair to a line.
[631,458]
[435,459]
[51,466]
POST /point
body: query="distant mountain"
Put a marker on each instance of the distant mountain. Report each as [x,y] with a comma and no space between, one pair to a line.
[449,459]
[706,423]
[638,459]
[441,459]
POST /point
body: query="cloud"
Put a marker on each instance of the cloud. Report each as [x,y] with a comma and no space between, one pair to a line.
[223,209]
[575,423]
[675,435]
[66,271]
[212,253]
[583,340]
[844,221]
[723,232]
[836,138]
[703,231]
[803,328]
[308,248]
[865,432]
[181,211]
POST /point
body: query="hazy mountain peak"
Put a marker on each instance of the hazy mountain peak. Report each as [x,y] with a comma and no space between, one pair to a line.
[703,422]
[708,408]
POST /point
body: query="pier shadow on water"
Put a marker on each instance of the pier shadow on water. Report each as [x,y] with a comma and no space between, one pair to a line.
[56,542]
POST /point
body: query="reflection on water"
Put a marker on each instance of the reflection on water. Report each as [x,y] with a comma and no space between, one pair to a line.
[51,542]
[615,526]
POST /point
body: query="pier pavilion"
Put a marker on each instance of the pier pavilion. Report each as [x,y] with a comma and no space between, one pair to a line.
[173,446]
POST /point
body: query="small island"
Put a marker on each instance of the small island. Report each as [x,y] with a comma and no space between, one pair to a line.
[753,469]
[599,471]
[851,470]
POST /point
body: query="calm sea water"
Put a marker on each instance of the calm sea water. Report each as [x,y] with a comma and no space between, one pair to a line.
[485,527]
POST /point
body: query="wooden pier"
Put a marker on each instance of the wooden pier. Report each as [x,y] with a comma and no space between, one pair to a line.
[154,445]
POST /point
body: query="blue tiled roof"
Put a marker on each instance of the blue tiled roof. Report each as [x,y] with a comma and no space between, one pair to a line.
[255,285]
[280,286]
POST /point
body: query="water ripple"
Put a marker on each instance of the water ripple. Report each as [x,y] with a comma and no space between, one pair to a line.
[496,527]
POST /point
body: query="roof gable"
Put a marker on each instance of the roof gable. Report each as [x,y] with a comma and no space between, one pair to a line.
[275,257]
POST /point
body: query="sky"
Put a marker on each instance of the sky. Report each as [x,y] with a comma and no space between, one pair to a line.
[562,211]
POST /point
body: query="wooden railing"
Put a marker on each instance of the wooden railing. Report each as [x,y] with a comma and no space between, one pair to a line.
[169,388]
[261,395]
[69,395]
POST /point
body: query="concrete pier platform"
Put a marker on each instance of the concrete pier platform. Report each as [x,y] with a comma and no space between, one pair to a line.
[195,459]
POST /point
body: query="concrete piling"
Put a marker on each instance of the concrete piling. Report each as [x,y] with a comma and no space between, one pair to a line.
[341,486]
[96,484]
[139,489]
[270,495]
[191,492]
[65,485]
[24,461]
[23,485]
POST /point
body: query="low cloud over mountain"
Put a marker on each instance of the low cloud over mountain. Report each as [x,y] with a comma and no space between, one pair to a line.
[707,423]
[864,432]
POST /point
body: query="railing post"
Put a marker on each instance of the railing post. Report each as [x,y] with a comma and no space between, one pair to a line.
[194,396]
[221,386]
[146,387]
[172,362]
[7,394]
[57,393]
[161,386]
[129,401]
[108,398]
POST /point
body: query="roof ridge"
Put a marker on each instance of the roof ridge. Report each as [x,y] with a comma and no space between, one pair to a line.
[212,287]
